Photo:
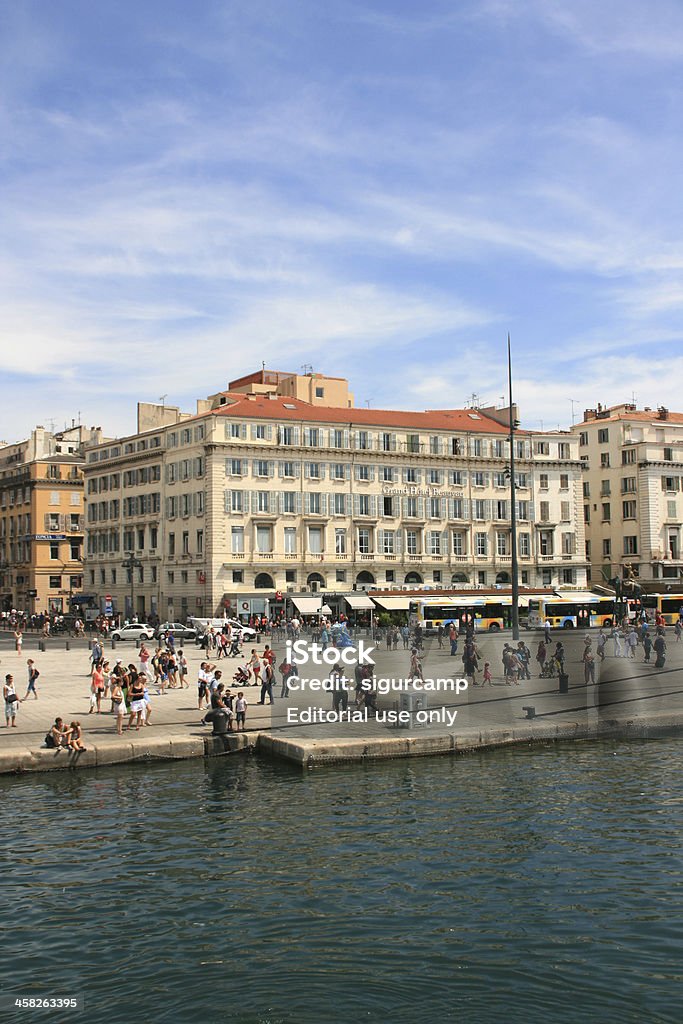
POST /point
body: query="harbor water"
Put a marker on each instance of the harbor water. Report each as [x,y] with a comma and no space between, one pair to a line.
[521,885]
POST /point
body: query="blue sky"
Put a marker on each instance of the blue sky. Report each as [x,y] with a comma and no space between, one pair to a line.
[381,190]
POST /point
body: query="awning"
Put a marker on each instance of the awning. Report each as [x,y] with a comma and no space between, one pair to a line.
[523,602]
[393,604]
[358,601]
[308,605]
[326,610]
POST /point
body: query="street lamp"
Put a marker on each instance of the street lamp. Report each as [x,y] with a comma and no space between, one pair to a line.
[130,563]
[513,511]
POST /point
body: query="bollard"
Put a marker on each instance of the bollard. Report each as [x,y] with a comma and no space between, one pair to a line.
[530,711]
[564,682]
[41,645]
[219,719]
[67,645]
[113,643]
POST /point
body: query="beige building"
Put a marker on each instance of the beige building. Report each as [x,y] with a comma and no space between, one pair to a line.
[41,520]
[263,493]
[633,508]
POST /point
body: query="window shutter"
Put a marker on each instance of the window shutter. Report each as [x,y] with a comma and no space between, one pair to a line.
[271,468]
[243,431]
[373,505]
[356,504]
[347,504]
[404,502]
[307,503]
[269,432]
[346,438]
[396,507]
[281,469]
[398,541]
[380,541]
[296,435]
[298,502]
[307,436]
[323,468]
[466,514]
[371,473]
[254,501]
[323,504]
[420,508]
[306,470]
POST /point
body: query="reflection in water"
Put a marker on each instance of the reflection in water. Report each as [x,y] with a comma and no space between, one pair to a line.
[516,885]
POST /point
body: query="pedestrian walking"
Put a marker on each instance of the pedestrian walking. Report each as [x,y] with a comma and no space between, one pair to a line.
[33,674]
[660,650]
[647,647]
[453,639]
[18,640]
[541,655]
[588,665]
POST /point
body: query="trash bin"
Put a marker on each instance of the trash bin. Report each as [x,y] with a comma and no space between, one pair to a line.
[564,682]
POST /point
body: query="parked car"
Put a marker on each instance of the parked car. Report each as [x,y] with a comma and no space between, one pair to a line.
[134,631]
[180,632]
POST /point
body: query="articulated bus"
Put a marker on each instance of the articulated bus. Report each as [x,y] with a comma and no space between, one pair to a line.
[485,611]
[668,606]
[578,610]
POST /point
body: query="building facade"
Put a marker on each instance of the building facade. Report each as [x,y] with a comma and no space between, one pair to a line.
[262,494]
[42,521]
[633,508]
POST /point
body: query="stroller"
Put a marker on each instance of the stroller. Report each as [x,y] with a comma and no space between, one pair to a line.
[550,668]
[242,676]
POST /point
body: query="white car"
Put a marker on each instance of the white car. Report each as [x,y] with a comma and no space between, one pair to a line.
[134,631]
[246,634]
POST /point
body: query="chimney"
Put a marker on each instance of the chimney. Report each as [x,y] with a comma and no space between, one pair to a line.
[662,413]
[590,414]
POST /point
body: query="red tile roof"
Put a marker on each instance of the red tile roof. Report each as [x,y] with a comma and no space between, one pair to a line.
[262,407]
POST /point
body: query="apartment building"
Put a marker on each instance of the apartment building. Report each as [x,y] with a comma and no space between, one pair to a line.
[262,493]
[41,520]
[633,506]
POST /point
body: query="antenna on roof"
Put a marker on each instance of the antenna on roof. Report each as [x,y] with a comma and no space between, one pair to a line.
[307,368]
[473,401]
[162,399]
[574,402]
[367,402]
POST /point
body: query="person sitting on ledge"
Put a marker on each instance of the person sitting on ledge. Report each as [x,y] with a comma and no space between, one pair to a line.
[57,736]
[76,737]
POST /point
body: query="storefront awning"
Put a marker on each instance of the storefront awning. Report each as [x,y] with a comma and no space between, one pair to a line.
[326,610]
[308,605]
[393,604]
[358,601]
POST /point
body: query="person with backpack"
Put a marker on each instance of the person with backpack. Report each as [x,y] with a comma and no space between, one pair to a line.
[58,735]
[33,674]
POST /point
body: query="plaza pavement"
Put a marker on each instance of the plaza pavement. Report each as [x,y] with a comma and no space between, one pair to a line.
[631,696]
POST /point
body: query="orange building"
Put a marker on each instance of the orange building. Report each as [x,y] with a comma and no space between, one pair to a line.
[41,521]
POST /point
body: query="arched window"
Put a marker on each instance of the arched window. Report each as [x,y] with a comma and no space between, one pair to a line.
[264,582]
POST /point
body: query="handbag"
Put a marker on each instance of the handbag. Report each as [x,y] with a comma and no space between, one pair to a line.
[10,698]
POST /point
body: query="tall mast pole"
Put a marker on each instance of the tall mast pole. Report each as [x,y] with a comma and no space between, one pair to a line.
[513,509]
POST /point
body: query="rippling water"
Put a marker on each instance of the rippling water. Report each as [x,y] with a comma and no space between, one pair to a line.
[515,886]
